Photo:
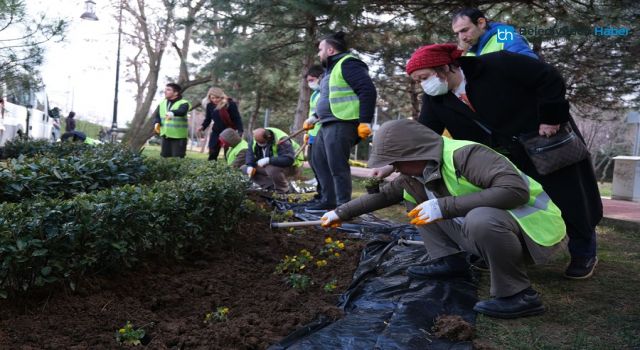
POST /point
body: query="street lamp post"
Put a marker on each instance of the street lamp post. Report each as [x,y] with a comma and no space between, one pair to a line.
[89,14]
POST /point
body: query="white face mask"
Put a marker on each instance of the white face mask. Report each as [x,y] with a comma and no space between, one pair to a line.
[434,86]
[313,85]
[261,144]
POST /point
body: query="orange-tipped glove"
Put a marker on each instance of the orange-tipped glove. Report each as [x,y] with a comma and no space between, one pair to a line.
[364,130]
[330,219]
[310,123]
[306,138]
[425,213]
[156,128]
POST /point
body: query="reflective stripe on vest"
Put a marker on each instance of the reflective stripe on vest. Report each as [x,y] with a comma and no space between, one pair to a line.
[279,135]
[343,101]
[409,198]
[492,45]
[176,127]
[313,101]
[540,218]
[233,152]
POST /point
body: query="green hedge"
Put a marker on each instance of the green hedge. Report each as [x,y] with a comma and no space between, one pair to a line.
[29,148]
[81,170]
[53,240]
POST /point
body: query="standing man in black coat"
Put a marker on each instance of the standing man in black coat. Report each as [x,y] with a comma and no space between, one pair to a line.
[498,96]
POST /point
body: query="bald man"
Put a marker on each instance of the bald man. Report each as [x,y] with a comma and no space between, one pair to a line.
[271,159]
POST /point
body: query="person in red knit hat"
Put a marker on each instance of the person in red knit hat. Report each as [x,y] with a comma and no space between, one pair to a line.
[494,99]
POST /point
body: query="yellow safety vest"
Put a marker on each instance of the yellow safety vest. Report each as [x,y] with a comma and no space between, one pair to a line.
[177,127]
[539,218]
[343,101]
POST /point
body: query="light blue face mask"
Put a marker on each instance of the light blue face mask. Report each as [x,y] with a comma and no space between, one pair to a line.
[433,86]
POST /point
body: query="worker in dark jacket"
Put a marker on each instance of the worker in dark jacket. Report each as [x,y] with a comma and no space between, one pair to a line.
[493,99]
[171,122]
[345,109]
[469,198]
[271,158]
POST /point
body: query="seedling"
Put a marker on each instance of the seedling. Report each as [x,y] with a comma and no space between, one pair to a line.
[220,315]
[129,336]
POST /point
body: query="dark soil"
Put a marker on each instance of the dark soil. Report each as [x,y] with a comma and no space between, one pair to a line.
[453,327]
[170,301]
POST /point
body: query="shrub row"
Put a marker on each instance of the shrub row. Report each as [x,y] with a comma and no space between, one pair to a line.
[55,240]
[29,148]
[84,170]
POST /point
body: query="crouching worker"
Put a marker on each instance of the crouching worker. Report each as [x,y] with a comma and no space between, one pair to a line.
[237,147]
[470,199]
[78,136]
[271,159]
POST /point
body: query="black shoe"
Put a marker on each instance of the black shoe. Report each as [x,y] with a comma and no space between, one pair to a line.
[448,266]
[525,303]
[581,267]
[320,207]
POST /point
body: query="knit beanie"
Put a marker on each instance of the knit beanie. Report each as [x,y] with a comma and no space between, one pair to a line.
[430,56]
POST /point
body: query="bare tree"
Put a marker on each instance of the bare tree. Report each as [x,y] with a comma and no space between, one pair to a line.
[154,30]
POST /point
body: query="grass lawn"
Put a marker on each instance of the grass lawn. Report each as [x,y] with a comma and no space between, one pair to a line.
[605,189]
[599,313]
[153,151]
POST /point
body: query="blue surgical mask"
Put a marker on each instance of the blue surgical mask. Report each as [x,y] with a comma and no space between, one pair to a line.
[433,86]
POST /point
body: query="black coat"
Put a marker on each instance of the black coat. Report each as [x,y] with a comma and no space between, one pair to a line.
[513,94]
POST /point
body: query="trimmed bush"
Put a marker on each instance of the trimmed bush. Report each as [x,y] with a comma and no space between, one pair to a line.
[54,240]
[29,148]
[82,170]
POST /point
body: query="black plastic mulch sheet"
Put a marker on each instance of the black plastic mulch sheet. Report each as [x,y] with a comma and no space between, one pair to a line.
[385,308]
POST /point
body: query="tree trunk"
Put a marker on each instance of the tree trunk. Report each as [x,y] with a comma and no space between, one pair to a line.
[248,132]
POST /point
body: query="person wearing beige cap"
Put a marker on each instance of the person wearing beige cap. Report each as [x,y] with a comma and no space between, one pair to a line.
[496,99]
[472,200]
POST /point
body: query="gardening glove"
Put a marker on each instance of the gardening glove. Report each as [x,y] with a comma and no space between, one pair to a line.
[306,138]
[263,162]
[330,219]
[156,128]
[364,130]
[251,171]
[425,213]
[309,123]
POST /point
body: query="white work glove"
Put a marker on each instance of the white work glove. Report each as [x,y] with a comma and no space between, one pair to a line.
[251,171]
[263,162]
[169,114]
[330,219]
[425,213]
[382,172]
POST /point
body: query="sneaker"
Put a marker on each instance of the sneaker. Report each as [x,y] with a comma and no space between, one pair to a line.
[581,267]
[524,303]
[319,208]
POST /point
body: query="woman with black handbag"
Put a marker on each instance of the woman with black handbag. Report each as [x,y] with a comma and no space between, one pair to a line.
[496,98]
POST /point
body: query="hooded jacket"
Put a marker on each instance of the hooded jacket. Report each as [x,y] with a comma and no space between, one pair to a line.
[231,137]
[408,140]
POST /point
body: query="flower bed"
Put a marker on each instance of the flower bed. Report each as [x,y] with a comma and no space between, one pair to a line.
[171,301]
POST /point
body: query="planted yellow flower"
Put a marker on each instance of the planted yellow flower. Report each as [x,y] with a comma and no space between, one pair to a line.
[328,240]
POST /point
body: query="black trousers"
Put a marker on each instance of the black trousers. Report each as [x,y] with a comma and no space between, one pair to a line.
[173,147]
[330,158]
